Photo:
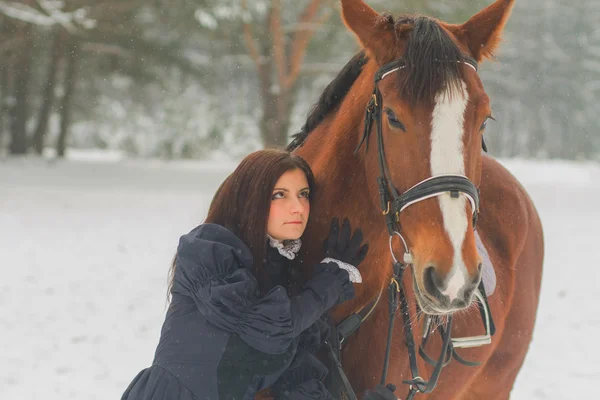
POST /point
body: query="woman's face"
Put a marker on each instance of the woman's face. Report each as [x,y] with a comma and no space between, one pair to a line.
[290,206]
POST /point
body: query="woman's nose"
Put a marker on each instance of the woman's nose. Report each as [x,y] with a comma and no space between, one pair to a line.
[297,206]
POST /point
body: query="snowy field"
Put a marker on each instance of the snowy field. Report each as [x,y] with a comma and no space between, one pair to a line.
[85,246]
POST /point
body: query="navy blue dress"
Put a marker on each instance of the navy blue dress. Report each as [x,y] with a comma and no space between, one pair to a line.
[222,340]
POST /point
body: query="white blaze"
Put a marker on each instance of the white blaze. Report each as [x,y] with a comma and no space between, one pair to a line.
[447,158]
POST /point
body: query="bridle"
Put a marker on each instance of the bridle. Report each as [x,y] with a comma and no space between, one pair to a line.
[392,203]
[435,186]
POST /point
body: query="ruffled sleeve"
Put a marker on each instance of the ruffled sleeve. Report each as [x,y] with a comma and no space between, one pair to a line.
[231,303]
[214,268]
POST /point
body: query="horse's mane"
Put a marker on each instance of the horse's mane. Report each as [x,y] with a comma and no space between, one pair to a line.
[331,97]
[431,64]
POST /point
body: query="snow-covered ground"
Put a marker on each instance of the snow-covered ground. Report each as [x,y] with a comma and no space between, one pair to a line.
[85,246]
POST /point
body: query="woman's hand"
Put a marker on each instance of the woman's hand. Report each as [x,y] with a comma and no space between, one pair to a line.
[340,246]
[348,252]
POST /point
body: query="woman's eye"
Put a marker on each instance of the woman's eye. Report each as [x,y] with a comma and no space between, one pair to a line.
[305,194]
[278,195]
[393,120]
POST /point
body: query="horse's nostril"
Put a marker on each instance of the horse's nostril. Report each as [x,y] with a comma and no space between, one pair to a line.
[480,267]
[469,294]
[459,303]
[431,281]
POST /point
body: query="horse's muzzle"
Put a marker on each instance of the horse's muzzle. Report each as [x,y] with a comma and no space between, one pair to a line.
[437,295]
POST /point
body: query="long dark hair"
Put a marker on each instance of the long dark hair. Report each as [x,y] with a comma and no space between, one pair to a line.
[242,202]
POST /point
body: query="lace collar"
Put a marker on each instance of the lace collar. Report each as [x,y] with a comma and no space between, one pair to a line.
[287,248]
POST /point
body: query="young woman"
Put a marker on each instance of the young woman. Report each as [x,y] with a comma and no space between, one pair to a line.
[232,329]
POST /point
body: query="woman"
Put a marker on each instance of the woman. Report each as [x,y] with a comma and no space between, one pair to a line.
[232,329]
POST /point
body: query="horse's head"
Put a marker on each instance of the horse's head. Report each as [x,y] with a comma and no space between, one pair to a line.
[433,114]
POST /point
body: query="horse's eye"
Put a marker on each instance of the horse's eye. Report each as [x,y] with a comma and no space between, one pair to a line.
[484,124]
[393,120]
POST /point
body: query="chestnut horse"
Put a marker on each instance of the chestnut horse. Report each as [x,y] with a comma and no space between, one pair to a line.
[426,115]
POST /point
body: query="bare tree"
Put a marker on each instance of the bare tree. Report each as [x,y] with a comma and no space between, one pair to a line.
[19,110]
[278,58]
[56,54]
[69,85]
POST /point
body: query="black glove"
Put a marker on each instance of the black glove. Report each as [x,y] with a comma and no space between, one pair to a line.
[312,338]
[323,291]
[341,275]
[340,246]
[381,393]
[304,368]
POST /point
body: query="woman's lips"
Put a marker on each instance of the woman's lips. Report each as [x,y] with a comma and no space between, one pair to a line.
[294,222]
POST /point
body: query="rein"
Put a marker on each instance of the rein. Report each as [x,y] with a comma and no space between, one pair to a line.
[392,203]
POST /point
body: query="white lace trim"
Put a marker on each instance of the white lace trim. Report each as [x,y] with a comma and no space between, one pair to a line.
[287,248]
[353,272]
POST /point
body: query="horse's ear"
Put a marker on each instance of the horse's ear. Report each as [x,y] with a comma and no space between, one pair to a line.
[374,31]
[483,32]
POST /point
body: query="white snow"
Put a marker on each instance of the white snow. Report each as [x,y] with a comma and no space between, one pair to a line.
[85,245]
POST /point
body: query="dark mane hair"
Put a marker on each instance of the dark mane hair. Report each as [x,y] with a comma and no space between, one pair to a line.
[432,64]
[432,61]
[242,202]
[331,97]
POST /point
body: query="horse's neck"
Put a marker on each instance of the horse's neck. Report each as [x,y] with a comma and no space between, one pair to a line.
[343,186]
[330,147]
[345,189]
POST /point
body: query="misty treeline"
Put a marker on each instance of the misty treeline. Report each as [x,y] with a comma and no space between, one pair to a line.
[182,78]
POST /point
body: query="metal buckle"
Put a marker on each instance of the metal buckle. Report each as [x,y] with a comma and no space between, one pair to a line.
[419,384]
[386,212]
[395,281]
[407,258]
